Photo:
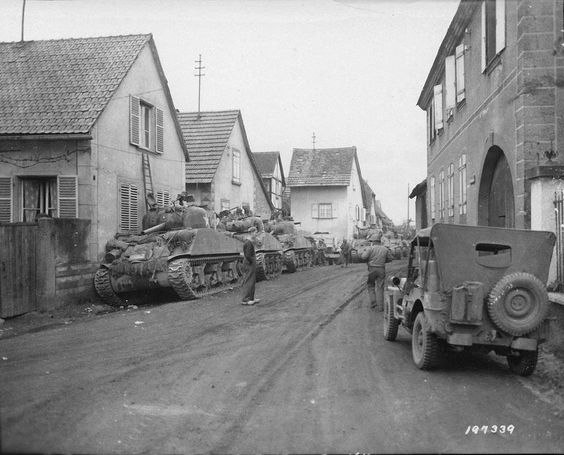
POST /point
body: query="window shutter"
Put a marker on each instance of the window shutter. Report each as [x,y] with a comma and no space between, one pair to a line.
[134,119]
[163,198]
[129,208]
[438,99]
[5,199]
[450,82]
[160,130]
[500,26]
[483,59]
[68,196]
[314,211]
[460,88]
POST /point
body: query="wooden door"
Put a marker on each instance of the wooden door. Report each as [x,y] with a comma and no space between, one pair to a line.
[501,207]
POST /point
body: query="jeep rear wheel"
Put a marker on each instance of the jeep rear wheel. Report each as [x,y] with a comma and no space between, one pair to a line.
[518,303]
[391,324]
[524,363]
[425,347]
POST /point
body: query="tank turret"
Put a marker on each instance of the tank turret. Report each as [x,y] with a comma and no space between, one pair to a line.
[297,250]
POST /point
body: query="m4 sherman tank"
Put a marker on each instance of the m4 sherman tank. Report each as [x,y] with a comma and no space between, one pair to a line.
[297,249]
[179,252]
[268,249]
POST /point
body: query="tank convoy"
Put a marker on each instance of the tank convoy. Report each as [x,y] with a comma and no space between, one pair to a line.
[176,249]
[297,249]
[268,250]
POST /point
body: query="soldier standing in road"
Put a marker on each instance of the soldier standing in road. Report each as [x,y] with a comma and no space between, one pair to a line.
[250,271]
[376,255]
[345,253]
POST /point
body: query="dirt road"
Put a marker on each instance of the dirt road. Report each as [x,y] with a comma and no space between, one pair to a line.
[306,370]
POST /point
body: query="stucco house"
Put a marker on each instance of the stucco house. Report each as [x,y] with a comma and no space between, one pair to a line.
[494,99]
[77,116]
[222,173]
[87,127]
[270,168]
[326,190]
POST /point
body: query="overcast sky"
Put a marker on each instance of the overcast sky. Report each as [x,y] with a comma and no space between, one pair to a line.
[349,70]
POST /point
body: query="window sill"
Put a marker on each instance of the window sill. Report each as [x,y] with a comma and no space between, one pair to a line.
[492,64]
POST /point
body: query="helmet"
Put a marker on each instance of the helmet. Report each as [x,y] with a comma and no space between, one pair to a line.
[375,237]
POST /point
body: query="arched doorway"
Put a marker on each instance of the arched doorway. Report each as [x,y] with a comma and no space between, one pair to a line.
[496,203]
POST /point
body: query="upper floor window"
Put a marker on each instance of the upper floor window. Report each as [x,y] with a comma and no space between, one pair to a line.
[431,132]
[450,189]
[322,210]
[442,194]
[460,86]
[236,165]
[432,199]
[146,125]
[493,30]
[438,106]
[462,202]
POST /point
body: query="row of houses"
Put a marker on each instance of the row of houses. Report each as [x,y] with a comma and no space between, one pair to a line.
[494,99]
[88,127]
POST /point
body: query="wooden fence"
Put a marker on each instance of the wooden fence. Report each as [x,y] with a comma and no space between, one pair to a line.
[43,262]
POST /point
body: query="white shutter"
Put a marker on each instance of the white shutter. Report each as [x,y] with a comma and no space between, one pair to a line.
[438,100]
[499,26]
[129,208]
[5,199]
[460,87]
[163,198]
[134,119]
[483,57]
[314,211]
[450,82]
[160,130]
[67,186]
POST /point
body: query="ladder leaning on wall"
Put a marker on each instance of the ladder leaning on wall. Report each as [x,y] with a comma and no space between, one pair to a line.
[147,180]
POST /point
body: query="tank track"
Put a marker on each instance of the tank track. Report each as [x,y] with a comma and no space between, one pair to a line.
[269,265]
[103,287]
[188,278]
[303,258]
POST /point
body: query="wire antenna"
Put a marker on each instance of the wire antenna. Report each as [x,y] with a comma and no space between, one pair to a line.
[23,16]
[199,75]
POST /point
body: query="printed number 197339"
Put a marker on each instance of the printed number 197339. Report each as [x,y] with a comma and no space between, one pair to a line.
[492,429]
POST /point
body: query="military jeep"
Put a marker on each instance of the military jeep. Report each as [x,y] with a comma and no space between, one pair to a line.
[473,288]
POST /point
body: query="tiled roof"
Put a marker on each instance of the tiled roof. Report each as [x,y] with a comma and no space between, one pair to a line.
[266,162]
[322,167]
[206,137]
[61,86]
[367,194]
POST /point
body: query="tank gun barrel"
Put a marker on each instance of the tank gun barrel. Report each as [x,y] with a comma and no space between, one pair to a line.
[158,227]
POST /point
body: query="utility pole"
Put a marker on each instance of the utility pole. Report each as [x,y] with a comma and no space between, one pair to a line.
[408,220]
[313,140]
[199,75]
[23,15]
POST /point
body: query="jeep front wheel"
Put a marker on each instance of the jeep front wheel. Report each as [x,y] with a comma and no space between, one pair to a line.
[425,346]
[524,363]
[518,303]
[391,324]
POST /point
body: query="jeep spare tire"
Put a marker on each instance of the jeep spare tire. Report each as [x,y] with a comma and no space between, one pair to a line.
[518,303]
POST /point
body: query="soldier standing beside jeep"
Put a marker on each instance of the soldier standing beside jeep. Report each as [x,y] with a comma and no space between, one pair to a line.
[376,256]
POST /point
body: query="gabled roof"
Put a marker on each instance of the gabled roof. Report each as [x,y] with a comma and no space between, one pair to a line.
[61,86]
[420,188]
[453,37]
[368,195]
[266,164]
[322,167]
[206,135]
[380,213]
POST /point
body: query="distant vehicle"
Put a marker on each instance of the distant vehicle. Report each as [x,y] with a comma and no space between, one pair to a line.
[473,288]
[332,253]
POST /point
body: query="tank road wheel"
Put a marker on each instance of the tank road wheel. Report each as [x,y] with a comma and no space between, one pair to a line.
[518,303]
[424,344]
[180,277]
[103,286]
[261,267]
[523,364]
[391,324]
